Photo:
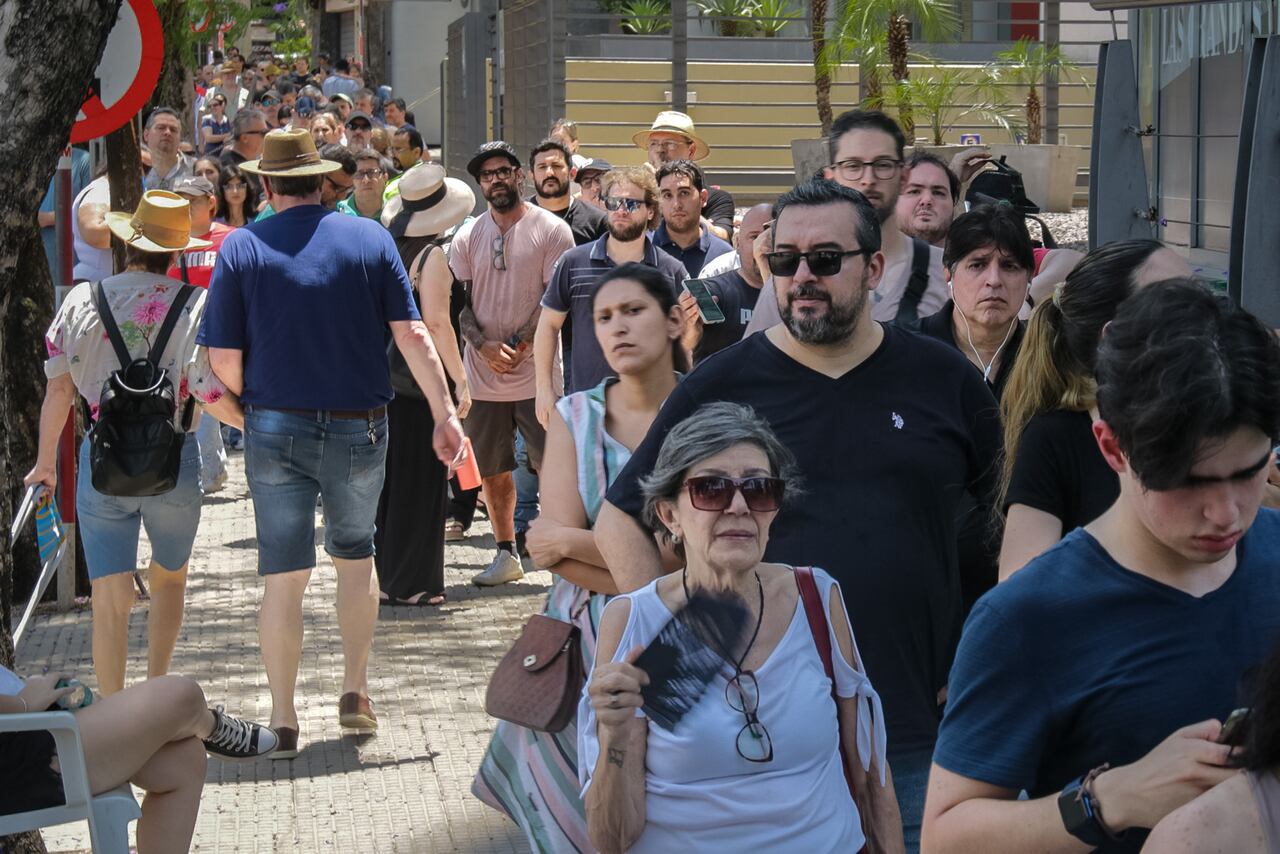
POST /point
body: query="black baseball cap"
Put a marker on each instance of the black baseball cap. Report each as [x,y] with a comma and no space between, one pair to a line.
[357,115]
[496,148]
[596,165]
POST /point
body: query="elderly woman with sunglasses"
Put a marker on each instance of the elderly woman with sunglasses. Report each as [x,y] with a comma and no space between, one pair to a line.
[759,762]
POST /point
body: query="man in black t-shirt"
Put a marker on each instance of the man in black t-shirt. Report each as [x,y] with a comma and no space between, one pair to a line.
[888,427]
[735,292]
[549,163]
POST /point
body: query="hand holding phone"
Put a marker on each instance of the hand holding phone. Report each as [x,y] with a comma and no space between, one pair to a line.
[708,309]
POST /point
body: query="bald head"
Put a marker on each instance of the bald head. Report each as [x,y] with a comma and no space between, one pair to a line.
[755,219]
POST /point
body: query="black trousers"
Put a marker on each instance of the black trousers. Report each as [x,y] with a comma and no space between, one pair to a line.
[409,541]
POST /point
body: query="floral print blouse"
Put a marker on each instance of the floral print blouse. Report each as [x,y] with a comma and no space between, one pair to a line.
[77,341]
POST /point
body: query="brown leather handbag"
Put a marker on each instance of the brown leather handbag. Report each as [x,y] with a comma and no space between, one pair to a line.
[539,680]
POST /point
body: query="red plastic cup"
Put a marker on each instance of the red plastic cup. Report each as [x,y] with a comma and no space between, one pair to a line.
[469,471]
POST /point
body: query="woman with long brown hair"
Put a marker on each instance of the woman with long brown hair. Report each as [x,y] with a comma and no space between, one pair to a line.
[1054,478]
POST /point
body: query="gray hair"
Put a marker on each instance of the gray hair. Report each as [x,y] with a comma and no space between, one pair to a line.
[243,119]
[713,428]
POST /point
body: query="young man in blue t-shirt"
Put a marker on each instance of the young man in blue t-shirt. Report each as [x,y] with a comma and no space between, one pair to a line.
[1097,678]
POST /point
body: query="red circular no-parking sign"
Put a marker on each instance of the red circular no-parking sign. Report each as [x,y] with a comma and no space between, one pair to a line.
[127,74]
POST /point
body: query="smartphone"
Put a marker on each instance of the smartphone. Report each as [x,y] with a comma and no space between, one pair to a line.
[708,310]
[515,343]
[1232,730]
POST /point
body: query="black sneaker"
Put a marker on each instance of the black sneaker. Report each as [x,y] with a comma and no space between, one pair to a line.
[233,738]
[521,549]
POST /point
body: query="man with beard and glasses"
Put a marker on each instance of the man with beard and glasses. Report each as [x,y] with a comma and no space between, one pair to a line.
[631,193]
[551,177]
[866,155]
[504,258]
[889,428]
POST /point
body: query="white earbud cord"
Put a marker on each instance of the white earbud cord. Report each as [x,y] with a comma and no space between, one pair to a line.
[986,366]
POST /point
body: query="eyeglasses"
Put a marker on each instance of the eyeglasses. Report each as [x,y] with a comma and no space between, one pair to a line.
[822,262]
[882,168]
[588,180]
[499,254]
[369,174]
[742,693]
[500,174]
[713,492]
[343,188]
[617,203]
[667,145]
[269,102]
[360,126]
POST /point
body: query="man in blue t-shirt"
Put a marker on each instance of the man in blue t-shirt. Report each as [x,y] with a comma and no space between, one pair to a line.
[297,325]
[683,234]
[1097,678]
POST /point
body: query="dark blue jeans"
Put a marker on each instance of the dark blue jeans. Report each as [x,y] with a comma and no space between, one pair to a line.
[910,781]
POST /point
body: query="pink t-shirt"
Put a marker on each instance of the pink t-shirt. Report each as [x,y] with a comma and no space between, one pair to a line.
[504,300]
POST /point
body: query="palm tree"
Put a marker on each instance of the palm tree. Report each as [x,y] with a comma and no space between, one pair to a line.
[946,94]
[1029,64]
[821,69]
[859,23]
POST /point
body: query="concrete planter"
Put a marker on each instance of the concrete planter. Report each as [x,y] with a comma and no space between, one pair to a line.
[1048,171]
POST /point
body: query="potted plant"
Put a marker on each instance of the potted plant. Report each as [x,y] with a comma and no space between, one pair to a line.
[772,16]
[731,17]
[945,94]
[1048,171]
[646,17]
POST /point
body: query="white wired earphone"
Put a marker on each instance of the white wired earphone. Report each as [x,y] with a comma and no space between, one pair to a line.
[986,366]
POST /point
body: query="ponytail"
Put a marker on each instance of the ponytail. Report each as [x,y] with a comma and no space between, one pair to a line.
[1045,377]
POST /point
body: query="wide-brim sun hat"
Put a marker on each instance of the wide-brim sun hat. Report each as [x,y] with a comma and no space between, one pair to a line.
[162,223]
[427,203]
[672,121]
[290,153]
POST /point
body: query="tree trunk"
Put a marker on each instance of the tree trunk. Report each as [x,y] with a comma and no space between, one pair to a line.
[174,88]
[872,89]
[48,51]
[124,168]
[375,62]
[821,73]
[1033,117]
[899,32]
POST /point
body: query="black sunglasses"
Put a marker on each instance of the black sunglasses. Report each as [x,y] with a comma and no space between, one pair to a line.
[615,203]
[822,262]
[713,492]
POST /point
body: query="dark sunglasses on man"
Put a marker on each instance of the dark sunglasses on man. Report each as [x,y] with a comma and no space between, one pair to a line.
[822,262]
[615,203]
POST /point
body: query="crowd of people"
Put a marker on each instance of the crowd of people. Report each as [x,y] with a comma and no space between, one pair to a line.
[989,515]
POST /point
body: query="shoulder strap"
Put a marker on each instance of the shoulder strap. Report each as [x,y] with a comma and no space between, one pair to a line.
[908,308]
[109,323]
[170,321]
[812,601]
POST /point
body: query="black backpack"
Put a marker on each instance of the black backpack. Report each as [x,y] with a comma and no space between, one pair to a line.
[134,448]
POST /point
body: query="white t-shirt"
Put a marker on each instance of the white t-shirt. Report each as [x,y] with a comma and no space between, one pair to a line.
[10,683]
[92,264]
[720,264]
[700,795]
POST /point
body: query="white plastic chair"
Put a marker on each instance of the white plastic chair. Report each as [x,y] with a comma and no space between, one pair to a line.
[108,814]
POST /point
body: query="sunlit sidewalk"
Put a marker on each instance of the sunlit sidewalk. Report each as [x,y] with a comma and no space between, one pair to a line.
[405,789]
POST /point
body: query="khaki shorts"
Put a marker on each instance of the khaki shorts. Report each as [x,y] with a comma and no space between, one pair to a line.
[491,426]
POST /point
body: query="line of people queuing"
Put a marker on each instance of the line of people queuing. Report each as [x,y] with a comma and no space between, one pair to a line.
[884,415]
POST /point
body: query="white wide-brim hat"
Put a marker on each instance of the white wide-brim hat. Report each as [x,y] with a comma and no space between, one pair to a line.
[427,202]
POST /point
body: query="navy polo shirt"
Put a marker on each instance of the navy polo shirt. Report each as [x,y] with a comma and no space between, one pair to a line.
[569,293]
[696,256]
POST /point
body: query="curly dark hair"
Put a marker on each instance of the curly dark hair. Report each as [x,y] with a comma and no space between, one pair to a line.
[1178,367]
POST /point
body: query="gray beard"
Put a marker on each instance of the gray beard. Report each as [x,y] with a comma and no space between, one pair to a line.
[834,327]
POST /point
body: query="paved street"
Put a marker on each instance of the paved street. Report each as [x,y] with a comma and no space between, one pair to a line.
[406,789]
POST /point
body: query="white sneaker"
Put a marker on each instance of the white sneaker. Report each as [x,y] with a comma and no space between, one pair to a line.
[504,568]
[219,481]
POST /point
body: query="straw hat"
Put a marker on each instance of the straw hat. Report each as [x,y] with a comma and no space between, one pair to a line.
[162,223]
[287,153]
[427,203]
[670,121]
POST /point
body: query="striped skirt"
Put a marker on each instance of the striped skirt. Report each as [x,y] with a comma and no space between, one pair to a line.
[533,776]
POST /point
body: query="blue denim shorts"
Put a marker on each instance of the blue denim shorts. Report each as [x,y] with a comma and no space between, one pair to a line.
[109,524]
[290,459]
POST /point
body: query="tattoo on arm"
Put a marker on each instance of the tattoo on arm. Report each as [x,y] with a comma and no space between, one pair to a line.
[530,326]
[470,327]
[616,755]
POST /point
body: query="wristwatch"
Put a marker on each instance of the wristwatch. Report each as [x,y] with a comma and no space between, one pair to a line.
[1080,814]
